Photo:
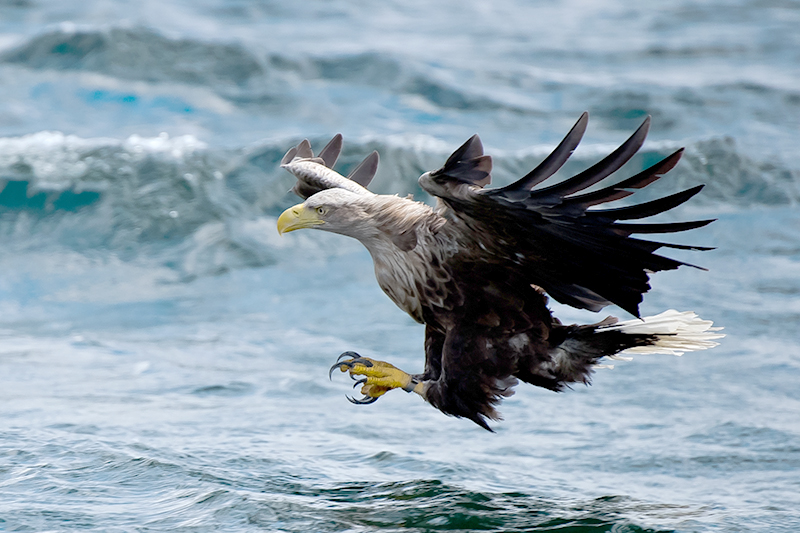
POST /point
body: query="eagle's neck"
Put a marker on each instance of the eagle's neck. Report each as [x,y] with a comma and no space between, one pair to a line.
[401,250]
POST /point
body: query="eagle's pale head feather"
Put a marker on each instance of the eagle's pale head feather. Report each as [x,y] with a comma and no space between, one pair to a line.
[372,219]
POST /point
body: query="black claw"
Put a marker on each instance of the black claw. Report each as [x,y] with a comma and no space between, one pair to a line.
[352,355]
[354,360]
[366,400]
[330,372]
[343,362]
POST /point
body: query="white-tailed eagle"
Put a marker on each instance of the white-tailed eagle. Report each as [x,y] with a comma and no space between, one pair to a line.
[476,269]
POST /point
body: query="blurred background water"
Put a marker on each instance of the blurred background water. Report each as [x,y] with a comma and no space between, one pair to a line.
[164,354]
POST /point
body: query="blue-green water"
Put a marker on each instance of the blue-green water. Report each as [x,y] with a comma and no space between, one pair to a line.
[164,354]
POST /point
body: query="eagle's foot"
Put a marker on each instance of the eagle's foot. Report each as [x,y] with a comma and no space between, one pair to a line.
[380,377]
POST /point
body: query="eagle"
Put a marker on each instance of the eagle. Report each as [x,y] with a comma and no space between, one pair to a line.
[478,267]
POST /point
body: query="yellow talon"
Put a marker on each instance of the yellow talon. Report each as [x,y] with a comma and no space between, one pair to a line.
[373,391]
[380,377]
[381,374]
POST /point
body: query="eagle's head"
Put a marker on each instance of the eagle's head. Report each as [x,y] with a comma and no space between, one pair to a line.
[373,219]
[335,210]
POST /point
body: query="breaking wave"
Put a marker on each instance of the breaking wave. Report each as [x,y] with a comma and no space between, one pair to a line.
[204,210]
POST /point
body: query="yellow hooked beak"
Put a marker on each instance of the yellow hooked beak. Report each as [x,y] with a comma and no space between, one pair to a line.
[298,217]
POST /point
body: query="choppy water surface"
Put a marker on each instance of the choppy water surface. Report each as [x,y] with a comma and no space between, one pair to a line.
[164,354]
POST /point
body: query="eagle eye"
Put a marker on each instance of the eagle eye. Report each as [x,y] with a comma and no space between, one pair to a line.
[321,211]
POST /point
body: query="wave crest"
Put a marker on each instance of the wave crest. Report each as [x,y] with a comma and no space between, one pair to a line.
[205,211]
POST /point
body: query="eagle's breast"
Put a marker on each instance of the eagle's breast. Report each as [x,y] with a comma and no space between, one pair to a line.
[418,278]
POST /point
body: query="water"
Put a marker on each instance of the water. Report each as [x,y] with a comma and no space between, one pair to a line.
[164,353]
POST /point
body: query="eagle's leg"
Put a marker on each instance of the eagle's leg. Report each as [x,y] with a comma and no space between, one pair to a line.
[380,377]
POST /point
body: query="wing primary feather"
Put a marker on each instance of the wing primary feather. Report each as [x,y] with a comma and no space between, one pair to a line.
[304,150]
[669,227]
[686,247]
[475,171]
[618,191]
[472,148]
[366,170]
[289,156]
[601,170]
[552,162]
[466,165]
[331,152]
[646,209]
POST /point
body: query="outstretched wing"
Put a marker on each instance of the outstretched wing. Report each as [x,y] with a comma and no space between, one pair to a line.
[311,173]
[586,258]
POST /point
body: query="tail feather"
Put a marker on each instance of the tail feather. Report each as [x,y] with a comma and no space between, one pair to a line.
[579,349]
[674,333]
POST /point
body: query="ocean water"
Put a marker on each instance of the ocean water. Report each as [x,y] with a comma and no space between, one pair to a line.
[164,353]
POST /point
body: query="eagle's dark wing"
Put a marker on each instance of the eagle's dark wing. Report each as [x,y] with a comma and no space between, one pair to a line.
[582,257]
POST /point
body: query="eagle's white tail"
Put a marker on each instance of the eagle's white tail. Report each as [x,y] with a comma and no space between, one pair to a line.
[676,332]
